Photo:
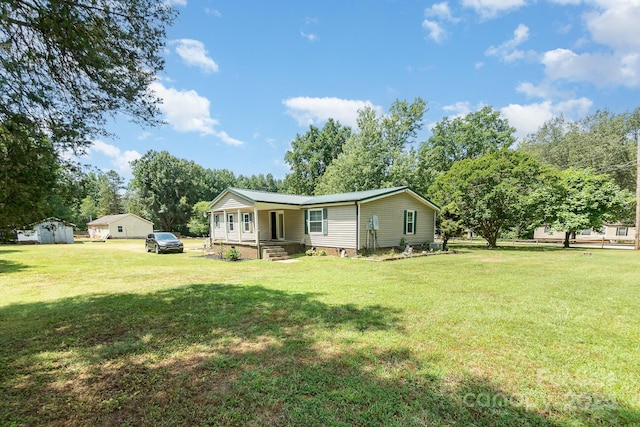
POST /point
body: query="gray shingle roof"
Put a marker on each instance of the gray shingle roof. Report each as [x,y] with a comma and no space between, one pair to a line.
[108,219]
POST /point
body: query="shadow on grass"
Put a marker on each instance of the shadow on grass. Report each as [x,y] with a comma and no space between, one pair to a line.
[233,355]
[505,246]
[11,267]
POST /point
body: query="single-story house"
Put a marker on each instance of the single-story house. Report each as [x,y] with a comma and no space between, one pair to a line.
[122,226]
[347,222]
[609,233]
[47,231]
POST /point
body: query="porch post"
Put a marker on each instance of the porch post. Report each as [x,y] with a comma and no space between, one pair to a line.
[226,226]
[239,227]
[211,228]
[256,230]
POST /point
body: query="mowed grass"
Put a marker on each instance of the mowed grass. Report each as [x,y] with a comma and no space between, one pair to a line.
[106,334]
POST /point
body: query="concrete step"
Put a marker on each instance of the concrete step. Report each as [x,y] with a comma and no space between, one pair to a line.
[274,253]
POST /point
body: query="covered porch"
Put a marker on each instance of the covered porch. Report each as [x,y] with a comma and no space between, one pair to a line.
[251,229]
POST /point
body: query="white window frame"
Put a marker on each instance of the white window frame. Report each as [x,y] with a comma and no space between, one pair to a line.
[230,222]
[410,224]
[619,231]
[216,220]
[120,229]
[246,222]
[321,221]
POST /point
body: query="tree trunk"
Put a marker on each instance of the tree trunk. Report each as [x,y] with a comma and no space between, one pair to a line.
[492,239]
[566,239]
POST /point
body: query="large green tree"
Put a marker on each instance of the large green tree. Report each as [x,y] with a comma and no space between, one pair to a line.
[259,182]
[468,137]
[65,66]
[28,173]
[110,199]
[583,199]
[165,188]
[311,154]
[198,225]
[603,141]
[493,193]
[376,156]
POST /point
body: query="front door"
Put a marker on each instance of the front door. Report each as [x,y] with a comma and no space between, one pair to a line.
[277,225]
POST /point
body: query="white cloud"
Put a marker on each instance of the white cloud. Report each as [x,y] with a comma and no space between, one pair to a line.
[508,51]
[177,2]
[601,69]
[213,12]
[462,108]
[441,12]
[311,37]
[308,111]
[491,8]
[186,111]
[616,25]
[436,32]
[193,53]
[528,118]
[613,24]
[121,160]
[224,137]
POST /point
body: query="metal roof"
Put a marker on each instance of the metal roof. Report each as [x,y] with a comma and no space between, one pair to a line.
[298,200]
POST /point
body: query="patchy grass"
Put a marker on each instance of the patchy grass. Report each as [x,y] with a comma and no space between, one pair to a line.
[106,334]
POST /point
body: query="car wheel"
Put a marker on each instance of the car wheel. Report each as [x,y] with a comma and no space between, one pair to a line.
[147,247]
[157,249]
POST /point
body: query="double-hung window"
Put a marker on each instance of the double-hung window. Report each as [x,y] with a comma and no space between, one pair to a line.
[230,222]
[216,220]
[246,222]
[315,220]
[622,231]
[409,222]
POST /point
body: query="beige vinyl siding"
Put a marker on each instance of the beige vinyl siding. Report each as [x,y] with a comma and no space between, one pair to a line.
[544,233]
[294,225]
[611,232]
[232,202]
[132,227]
[341,228]
[390,212]
[264,225]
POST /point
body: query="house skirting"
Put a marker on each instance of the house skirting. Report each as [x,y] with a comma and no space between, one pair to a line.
[250,250]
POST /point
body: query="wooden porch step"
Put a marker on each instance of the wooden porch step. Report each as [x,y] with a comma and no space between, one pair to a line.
[274,253]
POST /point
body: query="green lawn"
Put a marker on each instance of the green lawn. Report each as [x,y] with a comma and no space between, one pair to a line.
[106,334]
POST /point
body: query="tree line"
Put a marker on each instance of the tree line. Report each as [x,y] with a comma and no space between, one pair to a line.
[65,68]
[569,175]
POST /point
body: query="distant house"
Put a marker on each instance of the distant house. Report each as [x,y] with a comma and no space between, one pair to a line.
[346,222]
[47,231]
[621,233]
[123,226]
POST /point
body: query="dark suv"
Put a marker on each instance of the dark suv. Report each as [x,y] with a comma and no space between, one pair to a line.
[162,242]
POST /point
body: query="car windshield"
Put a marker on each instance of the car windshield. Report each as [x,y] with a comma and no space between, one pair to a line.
[165,236]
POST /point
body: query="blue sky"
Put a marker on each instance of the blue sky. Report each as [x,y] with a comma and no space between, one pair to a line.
[244,77]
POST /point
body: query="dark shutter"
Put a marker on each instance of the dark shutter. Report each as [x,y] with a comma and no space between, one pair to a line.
[325,222]
[306,221]
[404,223]
[415,221]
